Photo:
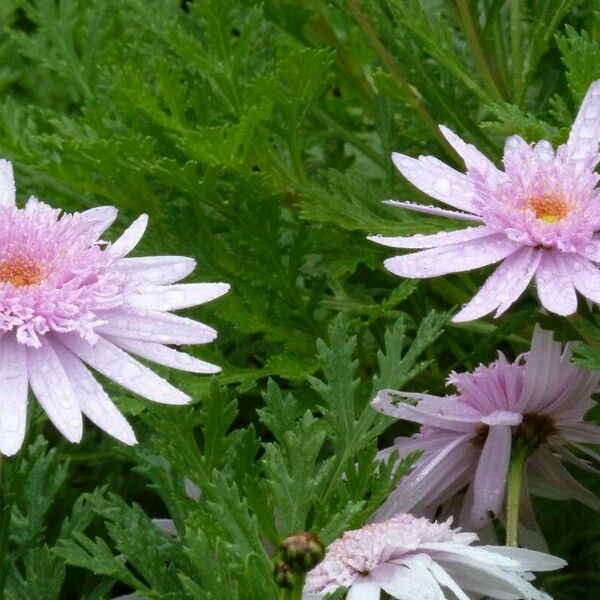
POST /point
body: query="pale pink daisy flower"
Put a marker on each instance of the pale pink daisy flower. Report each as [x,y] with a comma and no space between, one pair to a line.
[68,299]
[415,559]
[539,217]
[539,401]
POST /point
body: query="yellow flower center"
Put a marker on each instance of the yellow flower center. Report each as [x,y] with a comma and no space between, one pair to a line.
[549,209]
[21,272]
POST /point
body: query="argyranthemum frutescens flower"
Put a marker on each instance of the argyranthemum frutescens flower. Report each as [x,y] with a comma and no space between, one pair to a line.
[67,299]
[539,216]
[415,559]
[539,401]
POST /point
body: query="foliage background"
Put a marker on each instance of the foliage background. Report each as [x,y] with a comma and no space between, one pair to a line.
[257,137]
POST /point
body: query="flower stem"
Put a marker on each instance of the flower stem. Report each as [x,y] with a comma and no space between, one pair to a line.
[295,593]
[513,496]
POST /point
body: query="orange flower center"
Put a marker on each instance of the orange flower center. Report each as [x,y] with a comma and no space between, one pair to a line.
[21,272]
[549,209]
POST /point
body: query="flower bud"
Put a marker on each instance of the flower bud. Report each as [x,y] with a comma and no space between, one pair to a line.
[283,575]
[302,551]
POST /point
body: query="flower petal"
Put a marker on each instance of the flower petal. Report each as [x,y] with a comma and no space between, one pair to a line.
[585,277]
[409,581]
[117,365]
[436,179]
[53,390]
[443,238]
[364,589]
[100,218]
[164,355]
[452,259]
[154,326]
[530,560]
[7,183]
[474,159]
[489,484]
[555,289]
[177,296]
[585,133]
[130,237]
[432,210]
[13,394]
[157,270]
[93,400]
[445,580]
[503,287]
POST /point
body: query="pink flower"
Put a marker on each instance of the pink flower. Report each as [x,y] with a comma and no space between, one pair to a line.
[414,559]
[67,298]
[539,402]
[539,217]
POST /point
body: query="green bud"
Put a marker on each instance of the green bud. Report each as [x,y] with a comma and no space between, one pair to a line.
[283,575]
[302,551]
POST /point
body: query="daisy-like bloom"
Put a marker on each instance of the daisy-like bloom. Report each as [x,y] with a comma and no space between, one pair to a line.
[68,300]
[536,404]
[539,217]
[414,559]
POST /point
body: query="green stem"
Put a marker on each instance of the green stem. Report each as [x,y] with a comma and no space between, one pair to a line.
[513,496]
[295,593]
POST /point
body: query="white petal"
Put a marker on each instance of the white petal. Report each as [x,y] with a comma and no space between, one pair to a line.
[503,287]
[530,560]
[437,180]
[157,270]
[177,296]
[554,286]
[432,210]
[7,183]
[585,133]
[117,365]
[443,238]
[409,581]
[364,589]
[52,388]
[13,394]
[445,580]
[585,277]
[165,356]
[100,218]
[130,237]
[154,326]
[457,258]
[93,400]
[474,159]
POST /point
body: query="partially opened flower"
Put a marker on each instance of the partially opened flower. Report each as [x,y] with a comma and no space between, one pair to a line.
[539,217]
[415,559]
[538,402]
[68,300]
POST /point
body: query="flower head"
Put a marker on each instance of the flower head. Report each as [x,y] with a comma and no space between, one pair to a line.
[539,217]
[415,559]
[539,402]
[67,298]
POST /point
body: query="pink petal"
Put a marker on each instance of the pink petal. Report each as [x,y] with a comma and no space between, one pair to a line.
[100,218]
[177,296]
[555,290]
[437,412]
[452,259]
[530,560]
[93,400]
[53,390]
[433,210]
[586,278]
[164,355]
[364,588]
[583,433]
[585,133]
[154,326]
[503,287]
[7,184]
[437,180]
[489,484]
[115,364]
[443,238]
[542,371]
[547,477]
[157,270]
[166,526]
[130,237]
[473,158]
[13,394]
